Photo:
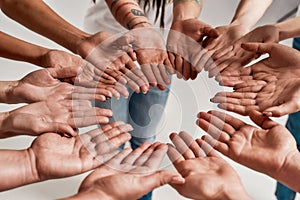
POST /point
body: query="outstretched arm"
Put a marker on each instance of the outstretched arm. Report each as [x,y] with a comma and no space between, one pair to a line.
[16,49]
[289,28]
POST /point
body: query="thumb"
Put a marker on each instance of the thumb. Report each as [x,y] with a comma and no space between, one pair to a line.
[283,109]
[210,32]
[260,48]
[60,128]
[160,178]
[66,72]
[261,120]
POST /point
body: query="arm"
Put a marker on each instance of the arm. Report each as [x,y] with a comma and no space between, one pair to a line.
[17,170]
[32,14]
[128,13]
[186,9]
[16,49]
[289,28]
[249,12]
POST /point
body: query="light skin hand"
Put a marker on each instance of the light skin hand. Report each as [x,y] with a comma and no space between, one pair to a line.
[185,61]
[88,75]
[207,176]
[117,59]
[52,156]
[283,97]
[234,57]
[122,176]
[150,50]
[272,143]
[43,84]
[283,63]
[52,116]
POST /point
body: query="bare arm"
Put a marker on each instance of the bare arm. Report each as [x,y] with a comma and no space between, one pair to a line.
[289,28]
[33,13]
[15,169]
[187,9]
[249,12]
[16,49]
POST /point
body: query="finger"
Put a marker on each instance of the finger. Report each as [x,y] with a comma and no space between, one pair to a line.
[254,88]
[156,157]
[217,145]
[156,71]
[93,112]
[172,60]
[236,101]
[213,130]
[262,120]
[209,150]
[239,109]
[179,66]
[115,162]
[163,72]
[147,70]
[113,143]
[186,70]
[132,157]
[194,73]
[281,110]
[210,32]
[171,63]
[181,146]
[145,155]
[219,122]
[238,95]
[159,178]
[261,48]
[234,122]
[124,128]
[60,128]
[190,142]
[174,155]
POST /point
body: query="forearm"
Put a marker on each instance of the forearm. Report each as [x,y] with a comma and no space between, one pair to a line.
[128,13]
[249,12]
[16,169]
[16,49]
[289,174]
[186,9]
[289,28]
[37,16]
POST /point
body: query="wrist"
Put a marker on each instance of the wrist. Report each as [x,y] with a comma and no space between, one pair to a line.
[245,28]
[140,24]
[235,193]
[283,31]
[4,129]
[289,172]
[7,91]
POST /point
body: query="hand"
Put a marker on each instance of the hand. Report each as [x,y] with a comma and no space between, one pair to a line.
[52,116]
[122,176]
[272,144]
[54,156]
[43,84]
[228,34]
[150,49]
[112,55]
[283,63]
[234,57]
[182,34]
[282,98]
[206,177]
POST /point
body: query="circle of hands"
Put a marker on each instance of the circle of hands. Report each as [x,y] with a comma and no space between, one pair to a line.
[60,95]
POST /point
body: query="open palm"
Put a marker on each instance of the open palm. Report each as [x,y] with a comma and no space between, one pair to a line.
[57,157]
[263,150]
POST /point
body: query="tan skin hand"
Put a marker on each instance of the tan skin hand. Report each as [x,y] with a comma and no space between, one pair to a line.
[185,61]
[53,116]
[206,177]
[116,59]
[57,157]
[234,57]
[283,97]
[122,176]
[272,143]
